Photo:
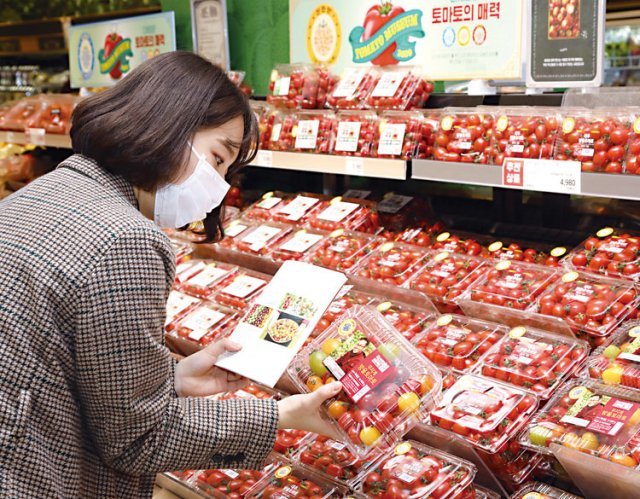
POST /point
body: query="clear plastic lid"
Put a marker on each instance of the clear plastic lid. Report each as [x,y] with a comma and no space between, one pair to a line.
[234,231]
[187,269]
[261,239]
[499,250]
[533,359]
[512,284]
[483,411]
[590,303]
[353,87]
[355,133]
[339,306]
[296,210]
[343,250]
[282,136]
[349,214]
[289,441]
[398,134]
[252,391]
[596,138]
[512,463]
[295,481]
[612,252]
[205,324]
[224,483]
[264,208]
[397,88]
[537,490]
[266,116]
[464,135]
[446,276]
[178,304]
[408,321]
[445,241]
[182,251]
[632,158]
[618,363]
[298,245]
[392,263]
[485,493]
[418,236]
[388,385]
[313,131]
[430,124]
[457,342]
[524,132]
[204,276]
[240,289]
[590,417]
[293,86]
[415,470]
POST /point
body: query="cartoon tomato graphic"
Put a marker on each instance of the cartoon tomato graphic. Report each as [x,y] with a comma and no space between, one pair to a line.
[110,43]
[377,16]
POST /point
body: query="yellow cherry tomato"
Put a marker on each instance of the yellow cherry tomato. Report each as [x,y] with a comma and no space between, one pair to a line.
[337,409]
[635,419]
[369,435]
[589,441]
[409,402]
[611,352]
[426,384]
[314,382]
[612,375]
[329,380]
[623,459]
[330,345]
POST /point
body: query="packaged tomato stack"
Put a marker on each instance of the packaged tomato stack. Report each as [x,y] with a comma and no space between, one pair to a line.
[446,276]
[261,239]
[313,131]
[392,263]
[399,134]
[464,135]
[455,244]
[457,342]
[610,252]
[355,133]
[202,279]
[298,245]
[376,409]
[178,304]
[205,324]
[239,290]
[523,132]
[590,417]
[422,235]
[293,480]
[352,89]
[408,321]
[282,136]
[596,138]
[537,490]
[399,89]
[343,250]
[514,251]
[355,215]
[512,464]
[619,362]
[533,359]
[484,412]
[265,207]
[415,470]
[299,86]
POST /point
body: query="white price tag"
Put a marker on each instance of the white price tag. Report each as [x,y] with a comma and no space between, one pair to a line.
[201,321]
[338,211]
[354,166]
[243,286]
[349,82]
[307,134]
[275,132]
[264,158]
[301,242]
[282,85]
[348,135]
[563,177]
[259,238]
[36,136]
[391,139]
[388,84]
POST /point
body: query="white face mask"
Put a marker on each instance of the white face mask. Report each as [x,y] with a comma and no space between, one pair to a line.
[178,205]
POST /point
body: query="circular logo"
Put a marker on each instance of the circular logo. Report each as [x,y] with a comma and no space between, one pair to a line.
[577,392]
[445,320]
[570,276]
[606,232]
[503,123]
[283,472]
[443,237]
[386,247]
[448,37]
[558,252]
[440,256]
[337,233]
[464,36]
[347,327]
[493,247]
[86,55]
[403,448]
[504,265]
[568,125]
[324,35]
[517,332]
[634,332]
[479,35]
[383,307]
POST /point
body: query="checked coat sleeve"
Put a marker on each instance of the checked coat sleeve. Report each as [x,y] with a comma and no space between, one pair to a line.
[125,374]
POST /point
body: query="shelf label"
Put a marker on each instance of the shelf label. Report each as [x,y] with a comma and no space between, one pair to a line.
[36,136]
[354,166]
[563,177]
[264,158]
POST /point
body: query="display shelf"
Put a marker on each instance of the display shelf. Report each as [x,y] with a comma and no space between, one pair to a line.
[47,139]
[394,169]
[593,184]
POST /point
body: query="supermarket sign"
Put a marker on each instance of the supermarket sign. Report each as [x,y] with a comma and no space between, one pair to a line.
[448,39]
[100,54]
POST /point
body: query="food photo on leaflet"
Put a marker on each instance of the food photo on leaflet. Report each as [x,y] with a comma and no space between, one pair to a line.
[95,362]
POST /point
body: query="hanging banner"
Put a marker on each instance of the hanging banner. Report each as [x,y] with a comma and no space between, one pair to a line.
[102,53]
[448,39]
[566,43]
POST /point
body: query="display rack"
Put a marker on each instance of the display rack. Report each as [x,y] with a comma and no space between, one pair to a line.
[39,139]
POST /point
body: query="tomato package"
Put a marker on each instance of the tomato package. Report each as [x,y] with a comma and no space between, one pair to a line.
[512,284]
[399,134]
[261,239]
[564,19]
[408,321]
[612,252]
[297,210]
[589,303]
[228,483]
[264,208]
[202,279]
[392,263]
[485,412]
[234,231]
[397,211]
[299,86]
[283,133]
[423,235]
[289,441]
[355,133]
[298,245]
[596,138]
[343,250]
[522,132]
[55,115]
[178,304]
[533,359]
[239,290]
[266,116]
[251,392]
[388,385]
[23,114]
[296,481]
[619,362]
[512,464]
[182,251]
[632,157]
[464,135]
[590,417]
[514,251]
[457,342]
[446,276]
[427,142]
[398,88]
[186,270]
[537,490]
[353,87]
[339,306]
[414,470]
[344,214]
[205,324]
[313,131]
[452,243]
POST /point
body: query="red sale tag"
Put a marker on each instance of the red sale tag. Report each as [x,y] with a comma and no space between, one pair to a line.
[612,417]
[365,376]
[512,172]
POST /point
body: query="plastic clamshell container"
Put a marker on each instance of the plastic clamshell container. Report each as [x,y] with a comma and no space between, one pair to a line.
[632,157]
[178,304]
[537,490]
[343,250]
[252,391]
[202,279]
[289,441]
[457,342]
[182,251]
[339,306]
[397,88]
[392,263]
[445,241]
[297,210]
[598,138]
[186,269]
[355,133]
[264,208]
[55,115]
[419,471]
[218,483]
[521,253]
[408,321]
[399,133]
[349,214]
[513,463]
[266,116]
[484,493]
[313,131]
[206,323]
[430,124]
[282,136]
[464,135]
[240,289]
[511,284]
[524,132]
[590,417]
[377,408]
[446,276]
[298,245]
[353,87]
[485,412]
[590,303]
[618,363]
[293,86]
[261,239]
[23,114]
[296,481]
[533,359]
[234,231]
[611,252]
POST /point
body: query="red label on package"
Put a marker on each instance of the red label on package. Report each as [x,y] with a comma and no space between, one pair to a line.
[365,376]
[612,417]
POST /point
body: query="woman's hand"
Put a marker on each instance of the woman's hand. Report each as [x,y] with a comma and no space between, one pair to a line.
[198,376]
[302,412]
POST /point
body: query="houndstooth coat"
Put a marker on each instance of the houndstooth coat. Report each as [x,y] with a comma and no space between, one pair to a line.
[87,400]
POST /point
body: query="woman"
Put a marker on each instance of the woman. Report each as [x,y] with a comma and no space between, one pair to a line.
[92,402]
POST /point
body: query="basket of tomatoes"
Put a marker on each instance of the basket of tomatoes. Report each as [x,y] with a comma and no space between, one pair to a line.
[343,250]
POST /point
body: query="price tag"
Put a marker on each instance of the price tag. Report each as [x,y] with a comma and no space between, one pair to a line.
[35,136]
[354,166]
[348,135]
[563,177]
[264,158]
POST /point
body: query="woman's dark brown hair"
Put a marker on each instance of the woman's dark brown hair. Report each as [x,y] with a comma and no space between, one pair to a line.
[140,128]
